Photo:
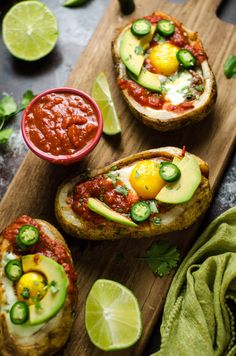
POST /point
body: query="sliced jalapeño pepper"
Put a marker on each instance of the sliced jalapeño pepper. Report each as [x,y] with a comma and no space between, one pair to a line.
[140,211]
[169,171]
[28,236]
[13,269]
[141,27]
[186,58]
[165,28]
[19,313]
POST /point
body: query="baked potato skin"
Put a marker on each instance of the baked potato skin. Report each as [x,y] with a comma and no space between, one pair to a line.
[54,334]
[171,122]
[184,215]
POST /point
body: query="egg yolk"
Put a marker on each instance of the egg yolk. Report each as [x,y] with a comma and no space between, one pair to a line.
[146,180]
[30,286]
[163,58]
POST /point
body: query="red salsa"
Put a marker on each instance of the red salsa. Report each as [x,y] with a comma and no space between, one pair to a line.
[61,123]
[45,246]
[157,101]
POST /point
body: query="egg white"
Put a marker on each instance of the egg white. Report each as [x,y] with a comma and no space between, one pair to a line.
[177,89]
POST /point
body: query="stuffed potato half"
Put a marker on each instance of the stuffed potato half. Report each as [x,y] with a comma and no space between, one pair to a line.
[127,187]
[38,289]
[162,91]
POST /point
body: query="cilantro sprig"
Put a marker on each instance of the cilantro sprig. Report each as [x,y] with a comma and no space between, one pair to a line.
[162,257]
[8,109]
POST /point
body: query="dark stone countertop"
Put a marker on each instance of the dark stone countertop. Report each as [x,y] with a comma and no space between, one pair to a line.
[76,26]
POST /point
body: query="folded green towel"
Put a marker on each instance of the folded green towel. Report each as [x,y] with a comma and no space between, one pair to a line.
[197,319]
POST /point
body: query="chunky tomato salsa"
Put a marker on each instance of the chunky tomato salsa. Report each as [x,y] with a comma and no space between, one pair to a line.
[61,123]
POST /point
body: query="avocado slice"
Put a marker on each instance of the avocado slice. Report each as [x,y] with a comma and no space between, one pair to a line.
[182,191]
[102,209]
[55,274]
[132,49]
[147,80]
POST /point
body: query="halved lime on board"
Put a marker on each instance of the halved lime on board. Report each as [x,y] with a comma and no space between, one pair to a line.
[29,30]
[102,95]
[112,316]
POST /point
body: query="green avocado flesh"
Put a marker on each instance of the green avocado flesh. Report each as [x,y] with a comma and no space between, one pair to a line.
[147,80]
[132,50]
[102,209]
[182,191]
[51,303]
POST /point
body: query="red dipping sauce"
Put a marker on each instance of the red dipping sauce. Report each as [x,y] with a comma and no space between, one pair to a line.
[62,125]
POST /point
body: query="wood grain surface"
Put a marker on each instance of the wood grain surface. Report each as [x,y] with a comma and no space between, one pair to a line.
[32,191]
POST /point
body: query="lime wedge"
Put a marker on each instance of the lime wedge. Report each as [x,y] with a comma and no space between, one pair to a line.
[73,3]
[29,30]
[102,95]
[112,316]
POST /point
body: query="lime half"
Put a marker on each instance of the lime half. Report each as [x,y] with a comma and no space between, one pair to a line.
[29,30]
[112,316]
[102,95]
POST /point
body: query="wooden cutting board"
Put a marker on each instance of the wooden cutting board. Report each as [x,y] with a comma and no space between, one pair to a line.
[33,189]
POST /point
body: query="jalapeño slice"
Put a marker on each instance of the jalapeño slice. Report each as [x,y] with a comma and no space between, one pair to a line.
[140,211]
[13,269]
[28,236]
[19,313]
[169,172]
[141,27]
[186,58]
[165,28]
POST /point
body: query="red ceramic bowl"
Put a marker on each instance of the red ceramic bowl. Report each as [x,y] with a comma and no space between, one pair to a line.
[44,127]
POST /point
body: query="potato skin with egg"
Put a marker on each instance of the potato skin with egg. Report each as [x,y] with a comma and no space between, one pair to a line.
[179,217]
[55,332]
[163,120]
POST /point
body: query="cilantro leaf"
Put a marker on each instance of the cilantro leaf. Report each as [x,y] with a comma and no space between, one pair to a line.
[53,287]
[162,257]
[37,303]
[113,177]
[25,293]
[8,105]
[120,189]
[26,99]
[138,50]
[4,135]
[230,67]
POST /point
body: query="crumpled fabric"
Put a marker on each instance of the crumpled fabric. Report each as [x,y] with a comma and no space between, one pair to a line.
[198,318]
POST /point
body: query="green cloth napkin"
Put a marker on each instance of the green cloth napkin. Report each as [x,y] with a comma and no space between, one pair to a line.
[197,319]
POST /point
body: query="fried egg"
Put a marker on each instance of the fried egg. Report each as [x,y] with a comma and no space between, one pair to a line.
[31,285]
[142,178]
[163,58]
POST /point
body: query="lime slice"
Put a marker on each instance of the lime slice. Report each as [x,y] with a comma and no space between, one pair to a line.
[29,30]
[102,95]
[74,3]
[112,316]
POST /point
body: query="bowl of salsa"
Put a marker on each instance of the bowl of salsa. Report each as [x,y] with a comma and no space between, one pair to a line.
[62,125]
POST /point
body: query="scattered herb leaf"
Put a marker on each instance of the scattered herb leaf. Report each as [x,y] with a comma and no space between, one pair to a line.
[230,67]
[26,99]
[138,50]
[25,293]
[137,175]
[53,287]
[120,189]
[113,177]
[159,38]
[162,257]
[156,220]
[114,168]
[4,135]
[36,303]
[199,88]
